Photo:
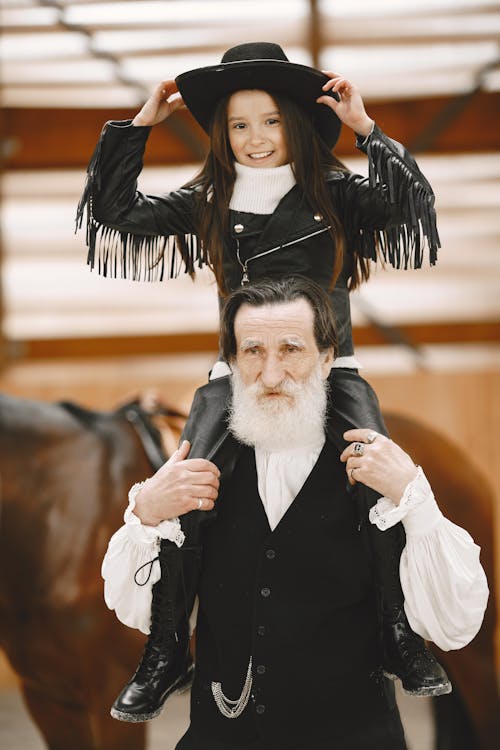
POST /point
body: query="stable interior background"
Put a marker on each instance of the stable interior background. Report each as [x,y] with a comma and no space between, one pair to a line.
[429,340]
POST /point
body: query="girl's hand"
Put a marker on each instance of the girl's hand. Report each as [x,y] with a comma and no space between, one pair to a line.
[378,462]
[160,105]
[350,108]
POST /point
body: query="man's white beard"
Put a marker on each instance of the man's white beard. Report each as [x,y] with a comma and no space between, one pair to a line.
[279,423]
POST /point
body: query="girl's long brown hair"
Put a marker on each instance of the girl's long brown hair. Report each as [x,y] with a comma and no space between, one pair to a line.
[311,160]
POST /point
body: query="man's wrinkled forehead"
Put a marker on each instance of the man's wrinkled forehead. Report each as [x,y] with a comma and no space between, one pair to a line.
[285,320]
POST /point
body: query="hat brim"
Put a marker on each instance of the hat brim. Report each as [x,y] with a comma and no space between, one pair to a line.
[202,88]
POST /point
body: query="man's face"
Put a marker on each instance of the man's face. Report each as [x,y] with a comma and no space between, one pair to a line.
[276,343]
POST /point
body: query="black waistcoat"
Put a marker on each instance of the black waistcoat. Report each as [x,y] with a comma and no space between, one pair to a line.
[299,600]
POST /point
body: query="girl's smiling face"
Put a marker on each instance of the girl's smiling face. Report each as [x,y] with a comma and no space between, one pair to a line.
[255,129]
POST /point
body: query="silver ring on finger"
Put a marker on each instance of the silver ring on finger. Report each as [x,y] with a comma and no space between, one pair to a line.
[200,503]
[358,449]
[372,436]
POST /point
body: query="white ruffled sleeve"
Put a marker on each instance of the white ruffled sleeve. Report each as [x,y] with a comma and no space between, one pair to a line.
[130,567]
[444,584]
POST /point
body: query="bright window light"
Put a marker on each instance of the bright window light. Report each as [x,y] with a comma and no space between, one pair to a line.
[77,97]
[491,80]
[171,39]
[400,7]
[345,30]
[153,68]
[166,39]
[398,60]
[72,72]
[44,45]
[28,17]
[184,11]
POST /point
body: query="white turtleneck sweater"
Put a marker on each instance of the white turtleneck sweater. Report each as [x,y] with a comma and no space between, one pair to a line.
[258,190]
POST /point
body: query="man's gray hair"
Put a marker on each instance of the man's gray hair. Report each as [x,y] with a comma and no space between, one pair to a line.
[276,292]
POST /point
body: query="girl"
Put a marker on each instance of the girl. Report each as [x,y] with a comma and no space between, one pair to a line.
[270,200]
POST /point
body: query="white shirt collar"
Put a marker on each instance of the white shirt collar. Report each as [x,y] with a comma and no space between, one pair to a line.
[281,475]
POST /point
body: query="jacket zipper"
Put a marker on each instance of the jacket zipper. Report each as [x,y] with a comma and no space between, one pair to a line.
[245,278]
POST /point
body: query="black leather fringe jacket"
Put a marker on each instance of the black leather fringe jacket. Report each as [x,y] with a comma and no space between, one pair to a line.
[153,238]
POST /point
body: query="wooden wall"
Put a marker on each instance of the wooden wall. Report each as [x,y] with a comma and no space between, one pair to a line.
[465,406]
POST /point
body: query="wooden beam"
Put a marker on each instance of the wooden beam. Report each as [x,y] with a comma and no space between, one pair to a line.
[474,130]
[421,334]
[65,138]
[112,346]
[315,37]
[190,343]
[52,138]
[3,346]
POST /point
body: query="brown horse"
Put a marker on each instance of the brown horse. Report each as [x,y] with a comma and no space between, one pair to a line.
[64,476]
[65,473]
[470,717]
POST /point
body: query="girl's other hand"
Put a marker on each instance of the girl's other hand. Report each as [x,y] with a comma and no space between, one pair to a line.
[160,105]
[350,108]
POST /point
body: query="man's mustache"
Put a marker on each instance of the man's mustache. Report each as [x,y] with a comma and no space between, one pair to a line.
[285,388]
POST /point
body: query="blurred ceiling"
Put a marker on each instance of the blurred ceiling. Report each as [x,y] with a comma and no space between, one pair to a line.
[420,68]
[430,75]
[67,53]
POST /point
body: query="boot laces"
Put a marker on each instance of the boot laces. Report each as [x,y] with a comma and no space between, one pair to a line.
[413,647]
[162,628]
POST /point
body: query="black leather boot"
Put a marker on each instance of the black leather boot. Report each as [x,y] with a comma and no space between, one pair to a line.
[353,403]
[404,653]
[166,665]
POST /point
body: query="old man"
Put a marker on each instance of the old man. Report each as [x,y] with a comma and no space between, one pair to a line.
[288,652]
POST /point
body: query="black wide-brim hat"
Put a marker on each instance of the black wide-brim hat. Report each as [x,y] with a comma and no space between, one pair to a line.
[258,65]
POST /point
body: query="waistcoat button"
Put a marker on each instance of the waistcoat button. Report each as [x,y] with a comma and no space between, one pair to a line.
[238,228]
[318,217]
[270,554]
[261,669]
[261,630]
[260,708]
[265,592]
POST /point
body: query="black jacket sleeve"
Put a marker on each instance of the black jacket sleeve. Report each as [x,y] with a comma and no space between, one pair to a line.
[392,211]
[130,234]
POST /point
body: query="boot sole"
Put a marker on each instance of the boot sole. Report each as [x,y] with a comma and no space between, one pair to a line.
[423,692]
[182,685]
